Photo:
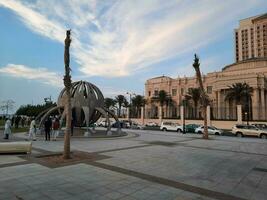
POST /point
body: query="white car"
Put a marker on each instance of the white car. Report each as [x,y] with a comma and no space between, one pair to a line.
[170,126]
[151,124]
[211,130]
[241,130]
[104,123]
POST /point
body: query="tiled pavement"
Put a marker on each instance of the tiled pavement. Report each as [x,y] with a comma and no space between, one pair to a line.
[155,165]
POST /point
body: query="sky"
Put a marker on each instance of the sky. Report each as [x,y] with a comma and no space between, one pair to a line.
[116,44]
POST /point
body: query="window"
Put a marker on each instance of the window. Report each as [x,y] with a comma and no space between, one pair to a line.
[174,92]
[209,89]
[149,93]
[156,92]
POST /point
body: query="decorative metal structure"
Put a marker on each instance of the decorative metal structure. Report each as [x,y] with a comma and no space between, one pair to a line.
[87,105]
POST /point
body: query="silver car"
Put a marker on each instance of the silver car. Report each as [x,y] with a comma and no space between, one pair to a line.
[211,130]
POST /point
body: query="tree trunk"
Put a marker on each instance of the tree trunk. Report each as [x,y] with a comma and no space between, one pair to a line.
[203,96]
[67,106]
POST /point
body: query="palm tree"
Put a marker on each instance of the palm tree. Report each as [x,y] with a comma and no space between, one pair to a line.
[239,92]
[203,96]
[67,83]
[138,101]
[120,99]
[163,97]
[194,94]
[109,102]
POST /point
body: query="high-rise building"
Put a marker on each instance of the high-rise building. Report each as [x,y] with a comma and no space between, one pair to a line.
[251,38]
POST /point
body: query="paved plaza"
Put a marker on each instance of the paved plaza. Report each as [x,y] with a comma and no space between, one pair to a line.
[143,165]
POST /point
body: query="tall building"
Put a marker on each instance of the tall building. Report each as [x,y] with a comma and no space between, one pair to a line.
[250,67]
[251,38]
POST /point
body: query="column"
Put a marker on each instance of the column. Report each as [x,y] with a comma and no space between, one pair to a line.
[160,114]
[227,109]
[219,104]
[208,115]
[142,115]
[239,114]
[255,104]
[128,113]
[262,104]
[182,114]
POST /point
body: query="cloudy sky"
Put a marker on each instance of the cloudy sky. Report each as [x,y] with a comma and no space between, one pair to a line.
[116,44]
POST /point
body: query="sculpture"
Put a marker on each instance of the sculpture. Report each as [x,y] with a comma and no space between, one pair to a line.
[86,99]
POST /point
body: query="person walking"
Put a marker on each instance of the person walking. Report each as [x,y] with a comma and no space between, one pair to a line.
[48,125]
[55,127]
[7,130]
[32,131]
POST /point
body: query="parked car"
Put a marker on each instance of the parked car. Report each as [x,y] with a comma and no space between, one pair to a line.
[260,126]
[126,124]
[104,123]
[117,124]
[170,126]
[136,126]
[151,124]
[241,130]
[211,130]
[190,128]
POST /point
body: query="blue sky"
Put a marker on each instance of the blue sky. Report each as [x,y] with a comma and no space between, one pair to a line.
[116,44]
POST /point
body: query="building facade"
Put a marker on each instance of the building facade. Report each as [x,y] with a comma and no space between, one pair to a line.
[253,72]
[250,67]
[251,38]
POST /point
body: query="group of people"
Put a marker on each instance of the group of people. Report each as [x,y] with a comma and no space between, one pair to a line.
[51,125]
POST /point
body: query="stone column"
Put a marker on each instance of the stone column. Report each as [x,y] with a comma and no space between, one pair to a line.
[160,114]
[208,115]
[255,104]
[182,114]
[128,113]
[219,105]
[262,104]
[239,114]
[142,115]
[227,109]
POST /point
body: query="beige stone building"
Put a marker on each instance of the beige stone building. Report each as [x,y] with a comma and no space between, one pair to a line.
[251,68]
[251,38]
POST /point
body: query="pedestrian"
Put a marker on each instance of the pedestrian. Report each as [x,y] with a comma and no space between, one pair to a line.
[32,131]
[17,119]
[55,127]
[48,125]
[7,130]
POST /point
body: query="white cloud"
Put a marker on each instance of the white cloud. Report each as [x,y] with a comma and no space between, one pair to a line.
[118,38]
[39,74]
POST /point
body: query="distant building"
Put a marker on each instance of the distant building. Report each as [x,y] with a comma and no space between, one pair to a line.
[251,67]
[251,38]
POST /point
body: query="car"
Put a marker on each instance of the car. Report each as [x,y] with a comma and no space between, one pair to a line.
[117,124]
[151,124]
[171,126]
[126,124]
[190,128]
[104,123]
[136,126]
[211,130]
[260,126]
[241,130]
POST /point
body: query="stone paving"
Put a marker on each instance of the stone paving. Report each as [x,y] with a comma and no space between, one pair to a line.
[143,165]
